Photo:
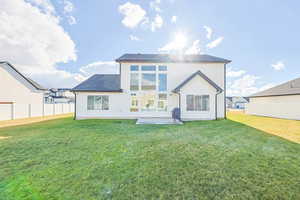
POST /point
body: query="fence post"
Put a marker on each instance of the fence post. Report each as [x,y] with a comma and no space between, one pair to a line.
[29,110]
[12,111]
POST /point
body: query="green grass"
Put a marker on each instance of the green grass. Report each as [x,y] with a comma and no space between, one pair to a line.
[116,159]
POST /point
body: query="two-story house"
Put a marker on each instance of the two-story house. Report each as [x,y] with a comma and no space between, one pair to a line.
[152,85]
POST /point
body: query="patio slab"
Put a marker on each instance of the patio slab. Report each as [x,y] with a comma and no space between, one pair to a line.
[158,121]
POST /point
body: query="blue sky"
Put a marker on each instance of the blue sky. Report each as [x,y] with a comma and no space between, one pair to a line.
[78,38]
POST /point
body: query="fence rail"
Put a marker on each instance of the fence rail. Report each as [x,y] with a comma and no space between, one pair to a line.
[12,111]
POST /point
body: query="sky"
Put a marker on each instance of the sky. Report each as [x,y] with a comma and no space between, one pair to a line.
[60,43]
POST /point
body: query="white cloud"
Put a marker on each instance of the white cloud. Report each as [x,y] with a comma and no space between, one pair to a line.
[68,9]
[72,20]
[278,66]
[155,5]
[34,40]
[177,44]
[100,67]
[68,6]
[246,85]
[215,43]
[44,5]
[157,23]
[134,38]
[209,32]
[195,48]
[174,19]
[134,14]
[233,74]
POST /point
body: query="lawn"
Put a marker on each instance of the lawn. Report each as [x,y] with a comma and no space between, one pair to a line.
[116,159]
[288,129]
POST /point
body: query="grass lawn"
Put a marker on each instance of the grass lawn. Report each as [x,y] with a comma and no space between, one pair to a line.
[116,159]
[288,129]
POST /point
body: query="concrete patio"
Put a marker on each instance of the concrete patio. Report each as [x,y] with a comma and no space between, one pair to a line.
[157,120]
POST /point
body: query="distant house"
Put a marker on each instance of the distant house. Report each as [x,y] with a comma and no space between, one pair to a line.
[17,89]
[21,97]
[236,102]
[282,101]
[59,95]
[153,85]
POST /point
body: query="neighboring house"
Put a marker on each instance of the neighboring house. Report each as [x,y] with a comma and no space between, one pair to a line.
[236,102]
[152,85]
[21,97]
[282,101]
[59,95]
[17,89]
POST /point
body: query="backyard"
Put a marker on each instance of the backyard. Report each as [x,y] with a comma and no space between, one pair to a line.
[117,159]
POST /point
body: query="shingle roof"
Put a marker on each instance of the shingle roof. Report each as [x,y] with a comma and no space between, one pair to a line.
[199,73]
[100,83]
[289,88]
[169,58]
[30,81]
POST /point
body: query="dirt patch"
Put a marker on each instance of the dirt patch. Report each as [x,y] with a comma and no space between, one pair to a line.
[4,137]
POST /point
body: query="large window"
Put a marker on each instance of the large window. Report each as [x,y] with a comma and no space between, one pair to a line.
[148,81]
[162,82]
[99,102]
[134,81]
[197,102]
[148,77]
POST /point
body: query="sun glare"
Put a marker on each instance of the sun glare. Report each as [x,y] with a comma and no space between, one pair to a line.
[180,41]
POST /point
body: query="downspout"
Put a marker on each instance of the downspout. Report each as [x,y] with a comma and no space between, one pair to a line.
[75,106]
[216,103]
[179,106]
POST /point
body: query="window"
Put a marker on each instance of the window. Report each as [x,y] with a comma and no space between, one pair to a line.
[134,81]
[162,102]
[162,82]
[162,68]
[148,68]
[149,81]
[148,102]
[134,107]
[98,102]
[134,68]
[197,102]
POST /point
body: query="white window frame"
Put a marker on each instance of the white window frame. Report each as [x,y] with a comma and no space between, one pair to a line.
[194,98]
[87,103]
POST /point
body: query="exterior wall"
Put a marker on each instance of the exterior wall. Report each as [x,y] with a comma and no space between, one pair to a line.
[287,107]
[177,72]
[27,100]
[198,86]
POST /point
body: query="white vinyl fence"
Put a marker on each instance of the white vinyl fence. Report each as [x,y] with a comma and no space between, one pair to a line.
[17,111]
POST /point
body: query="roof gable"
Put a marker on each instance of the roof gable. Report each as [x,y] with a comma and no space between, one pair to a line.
[198,73]
[30,81]
[288,88]
[171,58]
[100,83]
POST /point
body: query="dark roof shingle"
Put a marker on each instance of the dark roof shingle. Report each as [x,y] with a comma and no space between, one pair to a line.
[100,83]
[169,58]
[289,88]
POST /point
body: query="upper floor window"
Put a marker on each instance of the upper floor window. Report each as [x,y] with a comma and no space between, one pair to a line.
[134,68]
[149,68]
[148,77]
[162,68]
[99,102]
[148,81]
[197,102]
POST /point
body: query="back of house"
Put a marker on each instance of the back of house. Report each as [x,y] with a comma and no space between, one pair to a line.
[153,85]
